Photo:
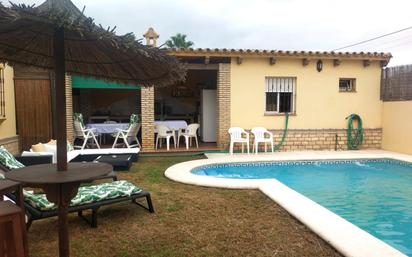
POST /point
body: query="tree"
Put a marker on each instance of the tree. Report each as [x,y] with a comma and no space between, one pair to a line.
[179,41]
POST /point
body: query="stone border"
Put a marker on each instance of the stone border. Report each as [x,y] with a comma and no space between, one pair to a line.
[350,241]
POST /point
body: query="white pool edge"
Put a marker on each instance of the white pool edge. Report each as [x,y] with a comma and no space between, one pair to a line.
[344,236]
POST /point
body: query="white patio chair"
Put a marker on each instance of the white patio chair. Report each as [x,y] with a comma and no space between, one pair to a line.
[188,133]
[128,136]
[84,134]
[164,132]
[236,136]
[262,135]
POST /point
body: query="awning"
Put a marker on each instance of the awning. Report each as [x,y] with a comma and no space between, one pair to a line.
[82,82]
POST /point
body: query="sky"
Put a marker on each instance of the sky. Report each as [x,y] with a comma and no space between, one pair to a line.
[322,25]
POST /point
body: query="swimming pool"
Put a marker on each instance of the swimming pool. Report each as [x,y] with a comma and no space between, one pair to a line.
[375,195]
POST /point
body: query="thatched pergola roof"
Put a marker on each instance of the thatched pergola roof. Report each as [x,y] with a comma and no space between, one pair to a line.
[26,37]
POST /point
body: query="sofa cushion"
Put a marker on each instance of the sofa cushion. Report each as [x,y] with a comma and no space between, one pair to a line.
[52,142]
[8,160]
[86,194]
[52,150]
[38,148]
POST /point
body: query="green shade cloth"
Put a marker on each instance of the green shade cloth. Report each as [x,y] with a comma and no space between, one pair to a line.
[82,82]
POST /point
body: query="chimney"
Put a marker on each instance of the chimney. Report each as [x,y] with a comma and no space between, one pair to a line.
[151,37]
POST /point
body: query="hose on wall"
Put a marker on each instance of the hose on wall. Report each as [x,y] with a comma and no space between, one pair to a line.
[355,135]
[285,132]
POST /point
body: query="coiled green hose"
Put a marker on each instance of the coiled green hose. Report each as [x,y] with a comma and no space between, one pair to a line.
[355,135]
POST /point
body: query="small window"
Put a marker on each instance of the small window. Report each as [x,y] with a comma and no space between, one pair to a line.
[280,94]
[347,85]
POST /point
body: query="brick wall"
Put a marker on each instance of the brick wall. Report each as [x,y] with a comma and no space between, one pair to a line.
[69,109]
[147,107]
[322,139]
[223,106]
[11,144]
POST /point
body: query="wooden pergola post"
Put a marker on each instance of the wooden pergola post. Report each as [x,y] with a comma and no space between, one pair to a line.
[60,81]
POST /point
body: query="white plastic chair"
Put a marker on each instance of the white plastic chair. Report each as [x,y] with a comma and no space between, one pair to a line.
[128,135]
[236,136]
[164,132]
[84,134]
[188,133]
[262,135]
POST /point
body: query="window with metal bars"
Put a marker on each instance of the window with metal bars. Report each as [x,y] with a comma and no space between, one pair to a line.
[347,85]
[280,94]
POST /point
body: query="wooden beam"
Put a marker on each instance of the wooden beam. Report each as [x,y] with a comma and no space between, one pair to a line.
[272,60]
[239,60]
[384,63]
[200,66]
[29,72]
[336,62]
[366,63]
[305,62]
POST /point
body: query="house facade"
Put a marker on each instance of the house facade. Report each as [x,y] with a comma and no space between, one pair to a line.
[256,88]
[318,90]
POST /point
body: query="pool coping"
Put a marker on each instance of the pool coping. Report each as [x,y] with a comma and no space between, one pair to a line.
[351,240]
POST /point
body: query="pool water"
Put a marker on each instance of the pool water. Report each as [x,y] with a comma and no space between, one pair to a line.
[375,195]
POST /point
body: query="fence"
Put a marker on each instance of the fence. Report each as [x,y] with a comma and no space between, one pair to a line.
[396,83]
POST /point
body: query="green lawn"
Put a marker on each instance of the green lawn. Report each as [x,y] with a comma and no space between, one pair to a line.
[189,221]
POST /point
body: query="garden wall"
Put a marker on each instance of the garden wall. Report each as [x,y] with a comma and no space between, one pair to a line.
[397,126]
[396,93]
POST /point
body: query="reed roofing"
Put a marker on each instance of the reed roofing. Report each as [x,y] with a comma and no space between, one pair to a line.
[26,37]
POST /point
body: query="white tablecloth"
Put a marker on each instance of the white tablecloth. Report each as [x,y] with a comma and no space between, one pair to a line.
[172,124]
[107,128]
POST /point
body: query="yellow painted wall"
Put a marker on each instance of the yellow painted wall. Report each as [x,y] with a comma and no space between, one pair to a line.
[397,126]
[319,104]
[8,126]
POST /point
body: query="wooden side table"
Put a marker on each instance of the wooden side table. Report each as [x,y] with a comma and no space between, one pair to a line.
[11,233]
[8,186]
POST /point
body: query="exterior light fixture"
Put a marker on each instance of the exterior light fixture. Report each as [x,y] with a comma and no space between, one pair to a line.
[319,65]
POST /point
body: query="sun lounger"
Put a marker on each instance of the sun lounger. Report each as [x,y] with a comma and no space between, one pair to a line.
[38,207]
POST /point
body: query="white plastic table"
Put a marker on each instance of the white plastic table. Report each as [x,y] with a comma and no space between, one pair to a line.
[107,128]
[172,124]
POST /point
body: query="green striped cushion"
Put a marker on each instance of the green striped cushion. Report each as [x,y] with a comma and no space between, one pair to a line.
[86,194]
[8,160]
[69,147]
[134,118]
[78,117]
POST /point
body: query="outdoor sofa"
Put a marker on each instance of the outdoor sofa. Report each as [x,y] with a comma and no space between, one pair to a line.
[86,154]
[89,197]
[119,158]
